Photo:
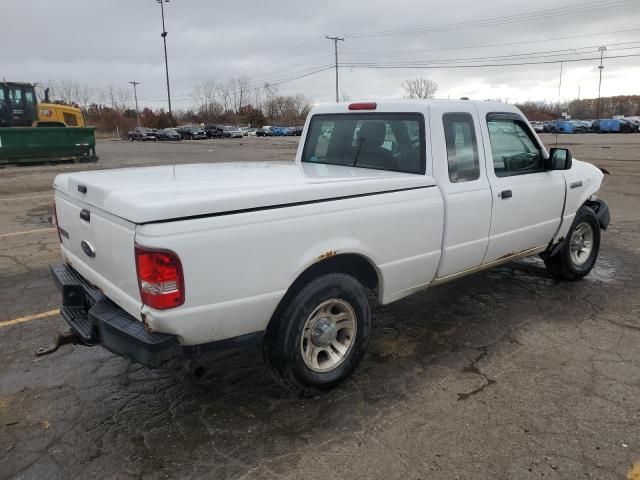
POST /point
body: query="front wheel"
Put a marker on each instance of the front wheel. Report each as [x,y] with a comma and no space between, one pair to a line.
[580,250]
[320,334]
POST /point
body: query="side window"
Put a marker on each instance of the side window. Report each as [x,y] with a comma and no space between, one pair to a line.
[15,95]
[513,148]
[462,148]
[28,95]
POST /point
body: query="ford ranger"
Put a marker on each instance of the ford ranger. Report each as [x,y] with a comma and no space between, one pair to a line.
[383,200]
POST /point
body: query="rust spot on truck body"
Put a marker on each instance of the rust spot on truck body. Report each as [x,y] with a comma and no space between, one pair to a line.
[145,323]
[328,254]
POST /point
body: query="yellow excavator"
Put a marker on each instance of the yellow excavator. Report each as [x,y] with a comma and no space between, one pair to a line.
[19,108]
[65,138]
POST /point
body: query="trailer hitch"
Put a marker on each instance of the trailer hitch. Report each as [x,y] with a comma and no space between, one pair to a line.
[62,338]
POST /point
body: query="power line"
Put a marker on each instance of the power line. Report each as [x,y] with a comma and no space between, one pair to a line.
[486,45]
[540,54]
[291,79]
[495,21]
[282,56]
[545,62]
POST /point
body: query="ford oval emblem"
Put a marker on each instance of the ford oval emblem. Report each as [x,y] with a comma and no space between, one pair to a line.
[88,249]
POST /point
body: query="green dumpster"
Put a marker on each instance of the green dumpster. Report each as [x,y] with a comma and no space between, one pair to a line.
[35,145]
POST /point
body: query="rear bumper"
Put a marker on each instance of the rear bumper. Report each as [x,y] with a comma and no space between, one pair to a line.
[98,321]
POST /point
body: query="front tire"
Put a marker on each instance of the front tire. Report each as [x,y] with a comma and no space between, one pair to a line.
[580,250]
[320,334]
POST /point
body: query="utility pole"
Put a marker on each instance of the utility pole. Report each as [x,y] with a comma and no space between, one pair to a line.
[601,49]
[166,63]
[335,45]
[135,95]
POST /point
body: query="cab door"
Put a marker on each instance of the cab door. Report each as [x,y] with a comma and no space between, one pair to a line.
[460,170]
[527,199]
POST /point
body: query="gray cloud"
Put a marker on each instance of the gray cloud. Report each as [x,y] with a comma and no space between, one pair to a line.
[99,43]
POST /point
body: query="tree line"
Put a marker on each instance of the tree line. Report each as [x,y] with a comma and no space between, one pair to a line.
[236,102]
[585,109]
[240,101]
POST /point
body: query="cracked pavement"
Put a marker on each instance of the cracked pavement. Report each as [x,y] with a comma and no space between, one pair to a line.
[506,374]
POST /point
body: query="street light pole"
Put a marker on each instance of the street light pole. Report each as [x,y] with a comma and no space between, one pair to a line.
[335,45]
[135,95]
[602,49]
[166,63]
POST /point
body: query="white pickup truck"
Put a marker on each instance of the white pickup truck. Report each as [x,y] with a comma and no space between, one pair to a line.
[383,200]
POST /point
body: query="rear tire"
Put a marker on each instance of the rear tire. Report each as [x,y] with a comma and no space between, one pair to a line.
[319,335]
[580,249]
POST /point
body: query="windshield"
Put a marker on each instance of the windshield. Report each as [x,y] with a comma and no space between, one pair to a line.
[384,141]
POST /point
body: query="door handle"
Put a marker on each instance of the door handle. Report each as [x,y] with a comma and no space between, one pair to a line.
[505,194]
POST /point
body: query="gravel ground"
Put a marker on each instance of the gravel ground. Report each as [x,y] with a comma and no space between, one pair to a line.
[502,375]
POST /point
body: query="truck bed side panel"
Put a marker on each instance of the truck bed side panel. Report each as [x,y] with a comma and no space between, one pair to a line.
[238,267]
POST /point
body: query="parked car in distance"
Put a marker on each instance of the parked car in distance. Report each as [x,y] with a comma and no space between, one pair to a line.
[168,134]
[266,131]
[384,200]
[280,131]
[234,132]
[214,131]
[537,126]
[252,132]
[616,125]
[189,132]
[296,131]
[628,126]
[142,134]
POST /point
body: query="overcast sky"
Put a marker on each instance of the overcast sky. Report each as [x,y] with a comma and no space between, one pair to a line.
[112,42]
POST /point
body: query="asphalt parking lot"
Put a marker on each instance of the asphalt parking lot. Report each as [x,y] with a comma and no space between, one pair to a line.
[502,375]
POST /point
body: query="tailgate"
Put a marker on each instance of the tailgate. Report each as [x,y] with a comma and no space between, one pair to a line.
[100,247]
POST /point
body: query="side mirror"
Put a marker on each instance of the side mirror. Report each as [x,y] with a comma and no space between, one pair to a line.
[559,159]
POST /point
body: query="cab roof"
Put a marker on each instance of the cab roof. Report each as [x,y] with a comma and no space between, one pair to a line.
[409,105]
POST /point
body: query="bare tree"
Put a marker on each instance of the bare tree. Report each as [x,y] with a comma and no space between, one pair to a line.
[84,96]
[419,88]
[117,98]
[66,91]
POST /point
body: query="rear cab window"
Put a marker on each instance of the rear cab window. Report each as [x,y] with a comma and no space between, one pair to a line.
[382,141]
[462,147]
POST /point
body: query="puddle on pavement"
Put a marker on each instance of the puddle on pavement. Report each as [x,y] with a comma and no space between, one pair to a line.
[604,271]
[41,215]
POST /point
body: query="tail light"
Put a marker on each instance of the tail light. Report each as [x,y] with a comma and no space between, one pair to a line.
[159,278]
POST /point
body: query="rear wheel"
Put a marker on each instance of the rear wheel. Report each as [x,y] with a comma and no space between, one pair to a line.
[319,336]
[580,250]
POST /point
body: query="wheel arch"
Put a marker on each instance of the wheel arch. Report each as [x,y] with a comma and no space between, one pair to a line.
[354,264]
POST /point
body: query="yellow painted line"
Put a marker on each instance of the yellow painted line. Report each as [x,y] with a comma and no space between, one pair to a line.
[8,199]
[28,318]
[13,234]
